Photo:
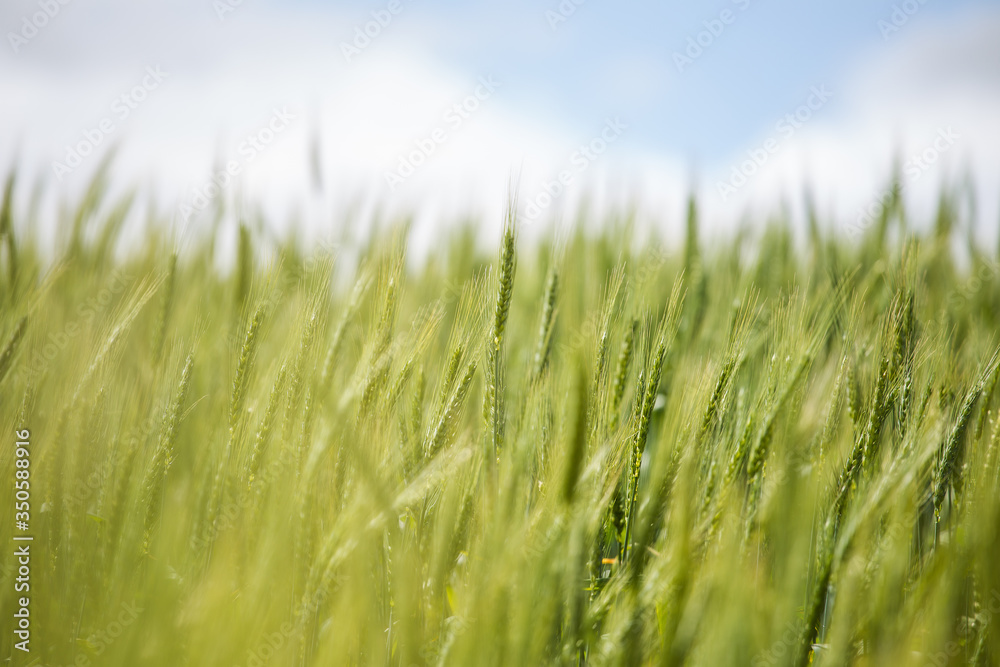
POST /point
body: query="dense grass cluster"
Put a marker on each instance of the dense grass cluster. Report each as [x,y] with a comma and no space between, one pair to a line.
[772,451]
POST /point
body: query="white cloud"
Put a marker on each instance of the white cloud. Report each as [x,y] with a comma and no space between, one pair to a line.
[893,102]
[226,77]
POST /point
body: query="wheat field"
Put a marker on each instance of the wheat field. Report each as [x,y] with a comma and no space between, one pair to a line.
[594,449]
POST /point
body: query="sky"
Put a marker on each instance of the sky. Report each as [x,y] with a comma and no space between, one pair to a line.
[328,114]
